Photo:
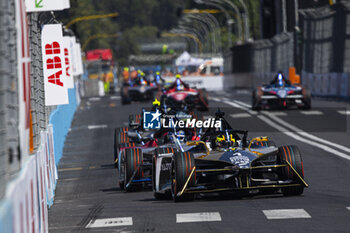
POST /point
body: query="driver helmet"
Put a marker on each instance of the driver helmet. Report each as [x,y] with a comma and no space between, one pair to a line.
[222,142]
[181,135]
[280,81]
[178,82]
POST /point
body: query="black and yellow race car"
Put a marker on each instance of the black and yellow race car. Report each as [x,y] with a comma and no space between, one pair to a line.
[225,160]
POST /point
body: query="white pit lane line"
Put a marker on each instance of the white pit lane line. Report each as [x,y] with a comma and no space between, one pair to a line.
[293,131]
[94,98]
[240,115]
[286,214]
[276,113]
[110,222]
[312,113]
[90,127]
[198,217]
[344,112]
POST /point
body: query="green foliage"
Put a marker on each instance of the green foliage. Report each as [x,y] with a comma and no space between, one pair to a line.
[139,20]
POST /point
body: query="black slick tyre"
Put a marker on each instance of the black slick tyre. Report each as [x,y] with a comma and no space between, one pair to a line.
[133,158]
[181,167]
[293,156]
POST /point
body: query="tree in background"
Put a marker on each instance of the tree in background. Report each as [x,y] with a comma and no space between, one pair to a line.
[137,20]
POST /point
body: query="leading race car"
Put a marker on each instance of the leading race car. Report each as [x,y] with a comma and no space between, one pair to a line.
[231,162]
[280,93]
[179,95]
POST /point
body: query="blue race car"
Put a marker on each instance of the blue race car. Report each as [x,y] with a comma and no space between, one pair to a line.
[280,93]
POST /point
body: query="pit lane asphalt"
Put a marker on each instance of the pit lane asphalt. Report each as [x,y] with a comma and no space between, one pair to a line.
[87,188]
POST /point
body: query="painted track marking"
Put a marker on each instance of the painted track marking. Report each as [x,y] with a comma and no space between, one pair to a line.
[90,127]
[276,113]
[70,169]
[115,97]
[240,115]
[312,113]
[348,208]
[344,112]
[110,222]
[198,217]
[286,214]
[94,98]
[302,134]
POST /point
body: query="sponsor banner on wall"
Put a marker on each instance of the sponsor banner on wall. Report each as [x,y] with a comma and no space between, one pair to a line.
[73,54]
[46,5]
[80,70]
[55,79]
[68,61]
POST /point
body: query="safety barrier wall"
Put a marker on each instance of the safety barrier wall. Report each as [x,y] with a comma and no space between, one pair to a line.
[320,47]
[28,166]
[61,119]
[329,85]
[28,196]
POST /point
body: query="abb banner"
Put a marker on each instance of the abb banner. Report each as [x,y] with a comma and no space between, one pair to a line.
[68,51]
[54,66]
[33,190]
[46,5]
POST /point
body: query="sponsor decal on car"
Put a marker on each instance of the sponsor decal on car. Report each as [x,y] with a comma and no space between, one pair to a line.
[240,160]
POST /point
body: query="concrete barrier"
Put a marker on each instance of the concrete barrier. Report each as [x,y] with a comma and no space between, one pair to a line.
[28,196]
[330,84]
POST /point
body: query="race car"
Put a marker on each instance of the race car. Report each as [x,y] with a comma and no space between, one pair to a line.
[135,146]
[280,93]
[231,163]
[179,96]
[138,90]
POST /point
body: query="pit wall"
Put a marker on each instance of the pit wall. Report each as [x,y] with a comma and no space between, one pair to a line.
[29,195]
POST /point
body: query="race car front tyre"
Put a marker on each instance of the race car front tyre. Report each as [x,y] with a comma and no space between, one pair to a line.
[132,168]
[293,156]
[203,99]
[181,167]
[157,195]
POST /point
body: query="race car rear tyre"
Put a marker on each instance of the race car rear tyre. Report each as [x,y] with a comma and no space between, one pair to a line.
[181,167]
[125,96]
[293,156]
[255,100]
[307,99]
[132,162]
[134,120]
[117,140]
